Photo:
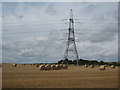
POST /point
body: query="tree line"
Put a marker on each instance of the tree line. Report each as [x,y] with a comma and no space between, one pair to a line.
[88,62]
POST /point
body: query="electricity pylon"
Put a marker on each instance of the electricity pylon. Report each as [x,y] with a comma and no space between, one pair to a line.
[71,45]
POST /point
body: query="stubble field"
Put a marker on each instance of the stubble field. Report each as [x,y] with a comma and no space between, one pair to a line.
[29,76]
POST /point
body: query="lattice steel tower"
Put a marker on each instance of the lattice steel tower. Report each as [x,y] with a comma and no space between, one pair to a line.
[71,50]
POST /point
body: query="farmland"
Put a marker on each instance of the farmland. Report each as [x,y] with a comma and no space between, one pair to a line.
[29,76]
[0,77]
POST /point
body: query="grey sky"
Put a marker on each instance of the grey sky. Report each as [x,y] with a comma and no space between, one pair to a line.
[32,32]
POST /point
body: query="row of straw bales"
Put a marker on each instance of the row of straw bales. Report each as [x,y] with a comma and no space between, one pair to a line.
[101,67]
[52,67]
[62,66]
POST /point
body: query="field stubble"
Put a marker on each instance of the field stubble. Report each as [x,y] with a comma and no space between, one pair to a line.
[29,76]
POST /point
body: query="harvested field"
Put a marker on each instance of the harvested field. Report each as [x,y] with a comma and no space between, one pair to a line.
[0,77]
[29,76]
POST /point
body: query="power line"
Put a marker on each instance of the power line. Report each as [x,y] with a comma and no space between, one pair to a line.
[50,20]
[31,24]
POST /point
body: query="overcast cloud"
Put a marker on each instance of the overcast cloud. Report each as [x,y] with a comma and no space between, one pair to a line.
[34,32]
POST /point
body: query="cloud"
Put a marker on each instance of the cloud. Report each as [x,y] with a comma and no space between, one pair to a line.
[106,35]
[32,32]
[50,9]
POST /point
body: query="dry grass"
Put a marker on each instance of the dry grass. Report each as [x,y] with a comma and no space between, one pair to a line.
[0,77]
[29,76]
